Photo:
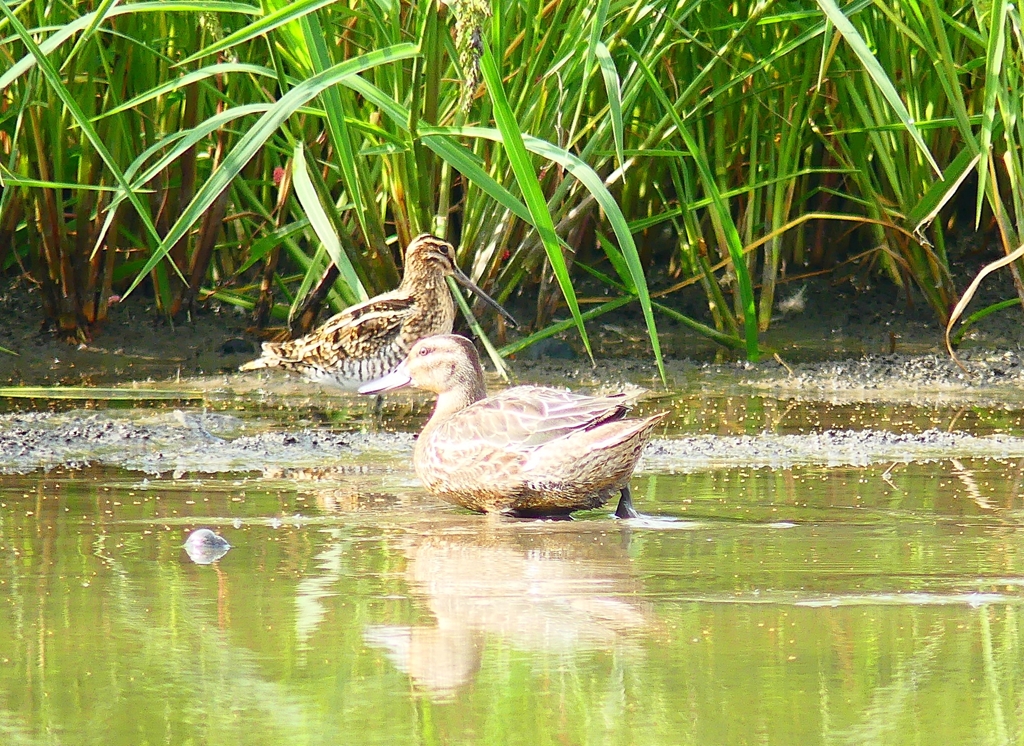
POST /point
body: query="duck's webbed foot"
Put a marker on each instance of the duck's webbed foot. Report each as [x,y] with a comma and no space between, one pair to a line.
[625,508]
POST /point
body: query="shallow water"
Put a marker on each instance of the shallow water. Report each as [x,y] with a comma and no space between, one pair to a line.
[801,605]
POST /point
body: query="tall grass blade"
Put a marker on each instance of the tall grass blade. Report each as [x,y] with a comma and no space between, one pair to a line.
[98,17]
[68,30]
[994,52]
[726,226]
[358,193]
[467,313]
[968,295]
[80,119]
[183,81]
[613,87]
[259,133]
[263,25]
[306,193]
[726,340]
[977,316]
[589,178]
[720,214]
[878,75]
[560,326]
[526,177]
[941,192]
[458,156]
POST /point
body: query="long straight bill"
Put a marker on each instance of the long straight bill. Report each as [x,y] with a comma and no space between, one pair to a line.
[464,280]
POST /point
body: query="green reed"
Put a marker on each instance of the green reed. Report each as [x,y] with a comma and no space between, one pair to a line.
[279,156]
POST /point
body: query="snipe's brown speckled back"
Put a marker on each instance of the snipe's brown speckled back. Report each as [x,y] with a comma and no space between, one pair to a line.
[367,340]
[527,450]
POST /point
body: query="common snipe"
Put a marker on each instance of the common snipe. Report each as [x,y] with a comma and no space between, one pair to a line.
[367,340]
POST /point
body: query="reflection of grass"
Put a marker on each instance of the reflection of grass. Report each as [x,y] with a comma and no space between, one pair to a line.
[144,651]
[97,394]
[111,636]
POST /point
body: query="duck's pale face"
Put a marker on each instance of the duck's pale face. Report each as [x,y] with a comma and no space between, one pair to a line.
[438,364]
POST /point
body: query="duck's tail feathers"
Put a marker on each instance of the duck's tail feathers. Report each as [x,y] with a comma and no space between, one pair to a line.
[622,431]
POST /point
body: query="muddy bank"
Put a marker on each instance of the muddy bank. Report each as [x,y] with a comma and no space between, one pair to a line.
[829,448]
[837,351]
[992,376]
[993,372]
[841,342]
[134,344]
[179,443]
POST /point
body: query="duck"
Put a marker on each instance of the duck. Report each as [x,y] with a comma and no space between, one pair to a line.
[527,451]
[366,341]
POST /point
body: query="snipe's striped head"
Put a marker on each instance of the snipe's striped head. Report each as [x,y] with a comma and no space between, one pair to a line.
[427,251]
[429,254]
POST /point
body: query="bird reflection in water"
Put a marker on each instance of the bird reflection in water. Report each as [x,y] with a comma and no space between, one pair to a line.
[544,587]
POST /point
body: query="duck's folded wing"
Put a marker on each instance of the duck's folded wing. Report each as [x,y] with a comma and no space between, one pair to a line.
[528,417]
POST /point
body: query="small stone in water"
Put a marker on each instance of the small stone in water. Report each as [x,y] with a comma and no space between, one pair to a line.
[204,547]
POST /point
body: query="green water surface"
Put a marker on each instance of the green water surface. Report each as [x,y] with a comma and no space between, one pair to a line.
[801,606]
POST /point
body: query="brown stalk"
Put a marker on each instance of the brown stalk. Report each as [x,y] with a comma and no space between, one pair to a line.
[265,301]
[210,228]
[305,315]
[109,255]
[213,221]
[85,230]
[187,165]
[159,200]
[58,281]
[8,223]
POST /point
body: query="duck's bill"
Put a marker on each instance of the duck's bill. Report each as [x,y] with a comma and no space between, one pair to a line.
[396,379]
[464,280]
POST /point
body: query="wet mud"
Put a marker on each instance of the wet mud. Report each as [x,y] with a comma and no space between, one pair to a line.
[866,350]
[179,443]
